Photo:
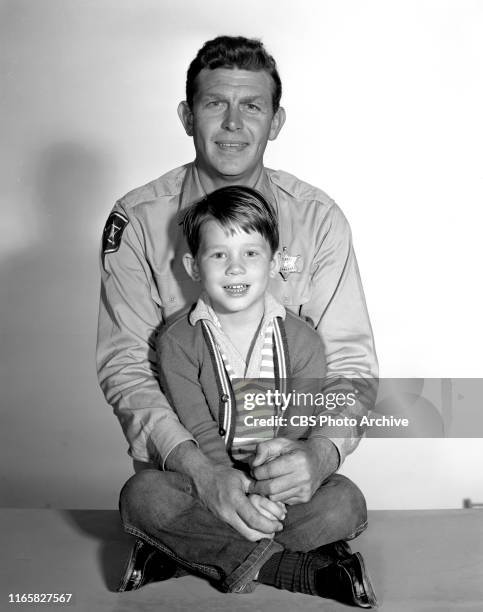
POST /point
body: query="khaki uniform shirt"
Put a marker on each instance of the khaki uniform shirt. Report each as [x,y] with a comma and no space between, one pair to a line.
[144,284]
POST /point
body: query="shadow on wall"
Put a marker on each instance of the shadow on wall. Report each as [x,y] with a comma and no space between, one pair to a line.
[49,318]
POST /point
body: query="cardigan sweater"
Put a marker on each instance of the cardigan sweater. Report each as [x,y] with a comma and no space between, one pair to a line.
[199,390]
[258,364]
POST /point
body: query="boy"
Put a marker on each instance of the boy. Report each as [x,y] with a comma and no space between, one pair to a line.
[238,330]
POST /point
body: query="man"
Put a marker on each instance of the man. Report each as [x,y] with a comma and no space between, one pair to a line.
[232,109]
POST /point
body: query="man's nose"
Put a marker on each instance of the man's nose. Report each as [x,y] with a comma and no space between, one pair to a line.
[232,120]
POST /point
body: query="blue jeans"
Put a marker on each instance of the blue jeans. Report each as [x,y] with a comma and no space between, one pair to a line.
[162,509]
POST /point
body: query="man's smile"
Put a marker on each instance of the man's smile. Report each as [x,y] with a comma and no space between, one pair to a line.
[228,145]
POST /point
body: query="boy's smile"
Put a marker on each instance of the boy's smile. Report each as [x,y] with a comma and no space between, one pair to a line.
[236,290]
[234,268]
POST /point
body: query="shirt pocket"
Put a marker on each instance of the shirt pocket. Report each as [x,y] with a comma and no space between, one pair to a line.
[296,288]
[176,291]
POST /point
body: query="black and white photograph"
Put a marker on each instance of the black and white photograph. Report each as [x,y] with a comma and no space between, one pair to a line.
[240,305]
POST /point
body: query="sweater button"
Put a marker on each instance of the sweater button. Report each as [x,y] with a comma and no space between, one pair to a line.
[221,431]
[224,398]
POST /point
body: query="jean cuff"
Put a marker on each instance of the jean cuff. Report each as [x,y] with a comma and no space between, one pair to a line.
[212,573]
[241,580]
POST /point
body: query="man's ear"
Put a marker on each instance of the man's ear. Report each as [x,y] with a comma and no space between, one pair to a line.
[186,117]
[275,265]
[191,267]
[278,120]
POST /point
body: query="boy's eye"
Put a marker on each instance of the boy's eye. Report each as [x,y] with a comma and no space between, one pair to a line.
[218,255]
[252,253]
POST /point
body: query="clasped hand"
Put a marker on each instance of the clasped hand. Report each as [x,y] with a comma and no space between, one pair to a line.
[285,472]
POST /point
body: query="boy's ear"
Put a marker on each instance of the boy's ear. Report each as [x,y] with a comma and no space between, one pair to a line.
[275,264]
[191,266]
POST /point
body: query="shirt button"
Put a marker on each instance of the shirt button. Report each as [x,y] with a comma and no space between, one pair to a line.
[285,299]
[224,398]
[171,299]
[221,431]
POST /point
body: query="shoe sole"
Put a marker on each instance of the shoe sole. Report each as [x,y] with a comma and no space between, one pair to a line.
[131,581]
[366,581]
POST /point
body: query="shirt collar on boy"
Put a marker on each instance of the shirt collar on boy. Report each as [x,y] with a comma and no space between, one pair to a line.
[203,311]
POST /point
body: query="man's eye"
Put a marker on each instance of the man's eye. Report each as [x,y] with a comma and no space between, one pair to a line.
[214,104]
[253,108]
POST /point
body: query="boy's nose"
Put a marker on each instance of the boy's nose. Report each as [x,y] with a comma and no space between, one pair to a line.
[235,267]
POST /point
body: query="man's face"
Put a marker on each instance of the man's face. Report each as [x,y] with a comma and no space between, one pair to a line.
[231,122]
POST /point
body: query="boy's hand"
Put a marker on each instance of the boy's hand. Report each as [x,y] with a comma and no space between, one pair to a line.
[270,509]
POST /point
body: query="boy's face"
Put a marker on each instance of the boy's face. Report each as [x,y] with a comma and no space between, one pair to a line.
[233,268]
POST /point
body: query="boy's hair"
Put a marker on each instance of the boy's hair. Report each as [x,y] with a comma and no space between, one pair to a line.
[233,52]
[234,208]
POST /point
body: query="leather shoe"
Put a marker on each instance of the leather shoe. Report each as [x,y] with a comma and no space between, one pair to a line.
[145,564]
[334,551]
[347,581]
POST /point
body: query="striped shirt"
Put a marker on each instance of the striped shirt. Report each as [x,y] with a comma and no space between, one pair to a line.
[244,376]
[246,437]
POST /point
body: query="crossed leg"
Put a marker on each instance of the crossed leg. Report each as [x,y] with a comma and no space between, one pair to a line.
[161,509]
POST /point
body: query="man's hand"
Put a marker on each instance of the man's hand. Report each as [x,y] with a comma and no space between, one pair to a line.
[223,490]
[291,471]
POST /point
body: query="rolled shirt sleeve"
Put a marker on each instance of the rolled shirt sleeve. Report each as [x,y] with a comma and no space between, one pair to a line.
[324,287]
[338,309]
[129,318]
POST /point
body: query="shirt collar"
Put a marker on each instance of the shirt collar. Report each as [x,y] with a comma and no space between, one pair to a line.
[204,311]
[192,191]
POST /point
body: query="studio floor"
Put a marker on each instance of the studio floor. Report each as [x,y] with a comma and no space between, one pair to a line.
[420,561]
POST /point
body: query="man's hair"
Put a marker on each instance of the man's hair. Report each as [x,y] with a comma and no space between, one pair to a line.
[234,208]
[233,52]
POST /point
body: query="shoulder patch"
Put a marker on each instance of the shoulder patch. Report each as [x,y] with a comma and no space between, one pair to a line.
[113,230]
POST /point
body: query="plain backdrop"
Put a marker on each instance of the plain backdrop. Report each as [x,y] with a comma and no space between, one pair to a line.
[383,102]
